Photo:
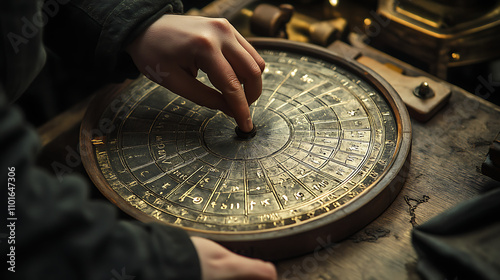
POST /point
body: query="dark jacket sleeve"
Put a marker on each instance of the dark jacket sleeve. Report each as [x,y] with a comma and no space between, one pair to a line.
[94,33]
[58,233]
[50,227]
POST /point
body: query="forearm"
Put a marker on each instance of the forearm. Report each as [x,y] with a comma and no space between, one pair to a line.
[59,230]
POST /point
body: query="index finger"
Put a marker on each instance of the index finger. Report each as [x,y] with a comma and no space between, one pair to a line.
[224,78]
[246,68]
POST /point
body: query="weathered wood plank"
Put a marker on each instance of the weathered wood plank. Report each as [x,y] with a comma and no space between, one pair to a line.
[446,158]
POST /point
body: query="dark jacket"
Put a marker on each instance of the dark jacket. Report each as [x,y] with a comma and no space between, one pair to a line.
[53,230]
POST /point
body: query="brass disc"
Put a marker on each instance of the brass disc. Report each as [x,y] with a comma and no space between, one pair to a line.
[330,153]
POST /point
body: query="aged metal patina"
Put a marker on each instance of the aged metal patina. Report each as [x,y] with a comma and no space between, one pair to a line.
[330,153]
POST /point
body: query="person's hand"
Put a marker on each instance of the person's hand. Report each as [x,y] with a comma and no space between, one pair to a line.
[173,49]
[218,263]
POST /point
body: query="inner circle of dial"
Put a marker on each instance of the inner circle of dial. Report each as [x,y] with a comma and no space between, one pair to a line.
[274,134]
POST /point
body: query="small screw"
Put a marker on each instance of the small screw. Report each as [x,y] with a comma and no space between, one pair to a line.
[423,91]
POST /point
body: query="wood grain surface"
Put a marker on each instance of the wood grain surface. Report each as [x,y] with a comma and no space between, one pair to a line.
[447,153]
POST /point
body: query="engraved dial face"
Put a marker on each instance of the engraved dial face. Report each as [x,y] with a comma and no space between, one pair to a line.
[325,136]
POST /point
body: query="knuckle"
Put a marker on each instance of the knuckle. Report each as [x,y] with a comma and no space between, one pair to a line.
[203,42]
[255,72]
[261,63]
[233,85]
[221,24]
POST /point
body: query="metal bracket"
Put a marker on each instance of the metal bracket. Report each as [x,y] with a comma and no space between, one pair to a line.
[423,96]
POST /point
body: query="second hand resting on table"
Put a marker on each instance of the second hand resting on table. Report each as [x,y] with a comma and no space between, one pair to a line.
[177,46]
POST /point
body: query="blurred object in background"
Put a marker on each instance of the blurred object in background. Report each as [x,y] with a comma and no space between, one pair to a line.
[456,41]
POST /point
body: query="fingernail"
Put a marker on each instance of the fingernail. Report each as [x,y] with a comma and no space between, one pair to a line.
[249,124]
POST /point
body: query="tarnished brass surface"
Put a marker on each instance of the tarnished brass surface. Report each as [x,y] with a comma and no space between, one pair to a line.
[330,154]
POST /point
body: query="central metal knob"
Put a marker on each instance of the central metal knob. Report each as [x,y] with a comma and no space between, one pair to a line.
[245,135]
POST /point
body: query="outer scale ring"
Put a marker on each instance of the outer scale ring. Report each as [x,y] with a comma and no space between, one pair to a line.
[331,153]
